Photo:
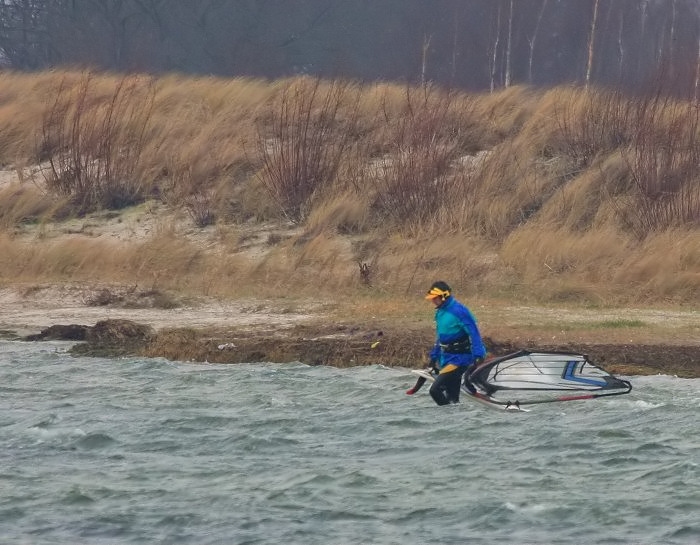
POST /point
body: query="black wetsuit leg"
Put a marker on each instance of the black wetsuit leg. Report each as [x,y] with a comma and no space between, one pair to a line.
[467,383]
[445,389]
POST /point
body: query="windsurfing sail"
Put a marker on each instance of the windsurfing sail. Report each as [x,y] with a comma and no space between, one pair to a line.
[543,377]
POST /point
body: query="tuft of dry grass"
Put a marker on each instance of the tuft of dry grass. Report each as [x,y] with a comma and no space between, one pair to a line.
[25,203]
[665,266]
[607,265]
[507,111]
[588,200]
[346,213]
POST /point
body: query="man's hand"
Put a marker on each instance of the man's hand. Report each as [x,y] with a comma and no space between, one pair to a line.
[433,366]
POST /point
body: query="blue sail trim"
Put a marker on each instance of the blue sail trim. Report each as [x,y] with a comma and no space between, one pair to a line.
[569,375]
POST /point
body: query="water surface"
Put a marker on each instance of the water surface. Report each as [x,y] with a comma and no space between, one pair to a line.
[150,451]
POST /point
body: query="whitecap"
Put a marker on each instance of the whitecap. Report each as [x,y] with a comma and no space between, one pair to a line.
[527,508]
[641,404]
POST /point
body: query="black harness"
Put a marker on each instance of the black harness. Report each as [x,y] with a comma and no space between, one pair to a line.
[460,346]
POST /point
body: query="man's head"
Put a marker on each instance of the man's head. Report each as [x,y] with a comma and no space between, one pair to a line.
[439,291]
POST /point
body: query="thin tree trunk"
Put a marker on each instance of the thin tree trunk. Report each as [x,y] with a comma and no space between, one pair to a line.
[621,47]
[494,57]
[642,37]
[533,39]
[591,43]
[672,40]
[508,47]
[455,31]
[697,74]
[424,58]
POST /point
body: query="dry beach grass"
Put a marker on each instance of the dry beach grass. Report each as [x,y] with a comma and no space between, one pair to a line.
[299,209]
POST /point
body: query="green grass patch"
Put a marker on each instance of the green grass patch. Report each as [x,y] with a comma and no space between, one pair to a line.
[584,326]
[618,324]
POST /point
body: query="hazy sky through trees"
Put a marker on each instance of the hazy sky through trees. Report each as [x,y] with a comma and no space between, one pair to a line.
[471,44]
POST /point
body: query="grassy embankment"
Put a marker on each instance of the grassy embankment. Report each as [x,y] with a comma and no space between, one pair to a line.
[367,193]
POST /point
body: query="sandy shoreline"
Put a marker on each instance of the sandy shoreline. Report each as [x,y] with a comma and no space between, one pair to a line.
[29,310]
[278,330]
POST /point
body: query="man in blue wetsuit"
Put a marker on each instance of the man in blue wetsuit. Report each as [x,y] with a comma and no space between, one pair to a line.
[458,346]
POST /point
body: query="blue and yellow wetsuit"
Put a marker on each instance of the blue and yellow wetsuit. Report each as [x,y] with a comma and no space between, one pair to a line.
[457,346]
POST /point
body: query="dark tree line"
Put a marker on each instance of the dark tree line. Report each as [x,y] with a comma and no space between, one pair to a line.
[471,44]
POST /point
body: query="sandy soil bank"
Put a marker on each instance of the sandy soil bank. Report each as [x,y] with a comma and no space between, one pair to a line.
[27,310]
[267,330]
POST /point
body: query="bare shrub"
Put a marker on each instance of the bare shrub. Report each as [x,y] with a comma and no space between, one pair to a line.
[413,179]
[303,142]
[92,146]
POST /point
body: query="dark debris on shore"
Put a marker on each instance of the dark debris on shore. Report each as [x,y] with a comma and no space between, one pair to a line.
[341,346]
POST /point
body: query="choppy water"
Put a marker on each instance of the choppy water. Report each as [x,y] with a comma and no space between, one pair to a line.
[150,451]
